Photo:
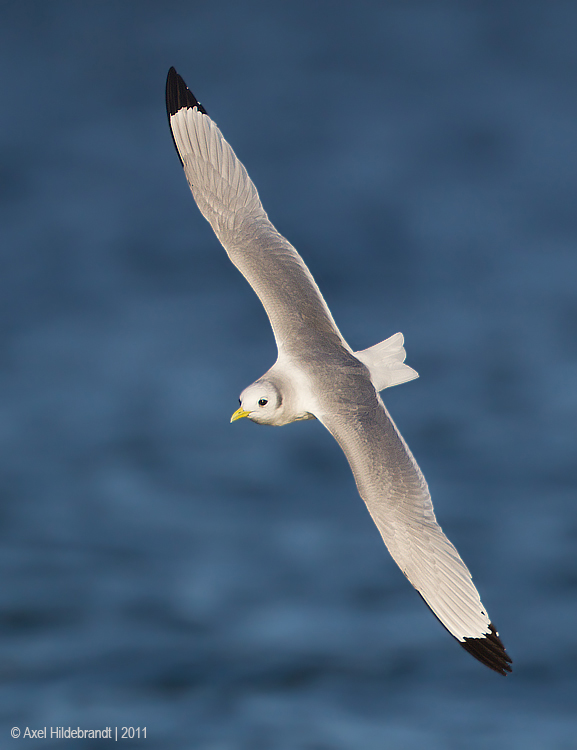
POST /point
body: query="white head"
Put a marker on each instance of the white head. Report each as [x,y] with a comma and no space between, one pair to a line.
[262,403]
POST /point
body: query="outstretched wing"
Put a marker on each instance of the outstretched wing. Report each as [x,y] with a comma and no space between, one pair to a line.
[398,499]
[229,201]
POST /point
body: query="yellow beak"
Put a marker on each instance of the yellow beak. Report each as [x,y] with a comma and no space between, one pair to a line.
[239,414]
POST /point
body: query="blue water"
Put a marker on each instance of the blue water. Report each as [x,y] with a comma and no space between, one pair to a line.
[224,585]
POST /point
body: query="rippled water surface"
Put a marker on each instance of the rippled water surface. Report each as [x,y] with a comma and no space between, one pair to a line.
[224,585]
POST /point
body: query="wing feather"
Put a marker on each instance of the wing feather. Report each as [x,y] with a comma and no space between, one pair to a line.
[229,201]
[398,499]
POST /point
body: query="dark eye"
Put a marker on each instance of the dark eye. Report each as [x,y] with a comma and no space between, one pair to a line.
[262,401]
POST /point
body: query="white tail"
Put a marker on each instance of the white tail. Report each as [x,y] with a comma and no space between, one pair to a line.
[385,362]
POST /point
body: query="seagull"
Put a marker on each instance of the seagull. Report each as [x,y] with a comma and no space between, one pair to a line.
[318,375]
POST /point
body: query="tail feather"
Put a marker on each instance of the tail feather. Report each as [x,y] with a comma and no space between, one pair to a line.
[386,362]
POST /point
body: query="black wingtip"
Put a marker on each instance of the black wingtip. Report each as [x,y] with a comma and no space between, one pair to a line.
[489,650]
[178,95]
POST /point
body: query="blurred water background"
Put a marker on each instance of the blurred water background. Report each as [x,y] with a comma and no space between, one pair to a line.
[224,585]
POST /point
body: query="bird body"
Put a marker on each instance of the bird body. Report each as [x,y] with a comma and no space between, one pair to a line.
[317,375]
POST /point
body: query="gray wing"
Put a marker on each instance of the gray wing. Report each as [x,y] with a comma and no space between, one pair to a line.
[229,201]
[398,499]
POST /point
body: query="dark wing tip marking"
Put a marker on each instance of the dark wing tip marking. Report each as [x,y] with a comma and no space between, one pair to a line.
[489,650]
[178,95]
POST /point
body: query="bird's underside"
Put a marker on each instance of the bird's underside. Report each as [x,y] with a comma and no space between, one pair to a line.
[344,384]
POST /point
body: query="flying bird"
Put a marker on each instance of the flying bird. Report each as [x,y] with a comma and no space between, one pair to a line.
[318,375]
